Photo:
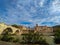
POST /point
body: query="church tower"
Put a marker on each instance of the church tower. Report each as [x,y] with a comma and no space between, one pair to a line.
[36,25]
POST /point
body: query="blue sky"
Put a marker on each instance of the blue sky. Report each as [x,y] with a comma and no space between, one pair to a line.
[30,12]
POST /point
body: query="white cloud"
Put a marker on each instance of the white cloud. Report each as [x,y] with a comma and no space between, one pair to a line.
[41,3]
[55,19]
[15,16]
[55,6]
[19,13]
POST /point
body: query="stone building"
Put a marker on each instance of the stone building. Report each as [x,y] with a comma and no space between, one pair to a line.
[43,29]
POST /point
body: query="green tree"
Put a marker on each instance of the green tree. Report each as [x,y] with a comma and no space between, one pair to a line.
[57,36]
[15,25]
[6,36]
[32,37]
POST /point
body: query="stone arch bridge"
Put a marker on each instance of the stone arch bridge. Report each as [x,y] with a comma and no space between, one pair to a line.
[4,27]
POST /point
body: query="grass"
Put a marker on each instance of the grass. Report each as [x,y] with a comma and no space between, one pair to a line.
[8,43]
[49,40]
[11,43]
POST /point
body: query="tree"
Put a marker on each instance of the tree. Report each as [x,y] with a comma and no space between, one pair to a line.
[6,37]
[14,25]
[57,36]
[9,38]
[34,38]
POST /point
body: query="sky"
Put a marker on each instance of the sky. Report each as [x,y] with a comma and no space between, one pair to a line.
[30,12]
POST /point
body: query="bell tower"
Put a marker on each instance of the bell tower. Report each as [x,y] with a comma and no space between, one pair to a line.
[36,25]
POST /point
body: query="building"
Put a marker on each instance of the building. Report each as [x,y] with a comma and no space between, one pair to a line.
[43,29]
[18,30]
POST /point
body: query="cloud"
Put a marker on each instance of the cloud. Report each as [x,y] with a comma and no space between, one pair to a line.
[42,3]
[51,21]
[30,12]
[55,6]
